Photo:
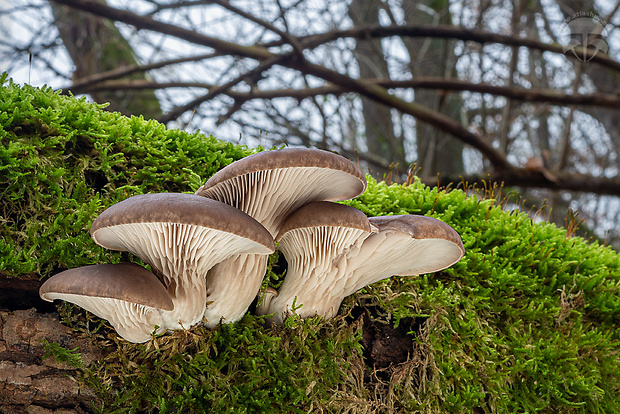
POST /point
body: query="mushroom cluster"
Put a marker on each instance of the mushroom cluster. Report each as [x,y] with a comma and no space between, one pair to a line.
[208,251]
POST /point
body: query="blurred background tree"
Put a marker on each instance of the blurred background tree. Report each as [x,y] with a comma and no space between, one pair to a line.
[457,91]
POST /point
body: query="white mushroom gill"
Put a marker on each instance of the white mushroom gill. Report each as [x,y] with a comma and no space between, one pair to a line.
[269,196]
[269,186]
[181,256]
[312,285]
[399,245]
[389,253]
[133,322]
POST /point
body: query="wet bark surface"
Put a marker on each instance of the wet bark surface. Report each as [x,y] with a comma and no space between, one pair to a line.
[30,382]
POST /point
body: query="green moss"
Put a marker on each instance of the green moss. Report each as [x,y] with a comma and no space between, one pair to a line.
[242,367]
[526,322]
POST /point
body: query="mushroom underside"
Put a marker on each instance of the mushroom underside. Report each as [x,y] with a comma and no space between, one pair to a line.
[228,301]
[317,287]
[387,254]
[312,285]
[180,255]
[269,196]
[133,322]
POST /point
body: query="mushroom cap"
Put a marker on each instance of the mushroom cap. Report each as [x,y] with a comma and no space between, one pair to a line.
[130,297]
[325,214]
[404,245]
[128,282]
[442,245]
[396,245]
[269,185]
[293,158]
[176,208]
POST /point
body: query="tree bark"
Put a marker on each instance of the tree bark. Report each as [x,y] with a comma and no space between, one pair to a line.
[438,152]
[32,383]
[96,45]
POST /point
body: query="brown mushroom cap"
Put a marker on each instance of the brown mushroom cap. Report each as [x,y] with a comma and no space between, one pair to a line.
[325,214]
[181,236]
[127,295]
[125,281]
[177,208]
[418,227]
[398,245]
[446,242]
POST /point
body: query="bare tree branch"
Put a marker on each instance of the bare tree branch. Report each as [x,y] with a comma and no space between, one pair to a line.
[287,37]
[551,96]
[219,89]
[148,23]
[89,83]
[375,92]
[378,89]
[449,32]
[536,179]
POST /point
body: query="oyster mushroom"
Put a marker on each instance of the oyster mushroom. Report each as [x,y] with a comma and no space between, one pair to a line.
[404,245]
[181,236]
[130,297]
[317,282]
[269,186]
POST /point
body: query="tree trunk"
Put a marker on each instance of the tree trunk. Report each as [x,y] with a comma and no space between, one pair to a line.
[381,140]
[438,153]
[96,45]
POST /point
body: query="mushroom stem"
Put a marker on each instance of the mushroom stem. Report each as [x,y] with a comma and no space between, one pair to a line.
[321,273]
[312,239]
[182,236]
[311,276]
[228,302]
[175,262]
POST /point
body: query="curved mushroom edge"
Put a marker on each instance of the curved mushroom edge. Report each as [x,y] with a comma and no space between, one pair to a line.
[439,244]
[286,158]
[128,282]
[419,227]
[325,213]
[182,208]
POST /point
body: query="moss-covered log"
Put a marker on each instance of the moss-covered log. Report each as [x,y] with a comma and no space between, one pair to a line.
[526,322]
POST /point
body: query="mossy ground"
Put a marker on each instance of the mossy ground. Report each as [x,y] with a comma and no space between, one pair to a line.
[526,322]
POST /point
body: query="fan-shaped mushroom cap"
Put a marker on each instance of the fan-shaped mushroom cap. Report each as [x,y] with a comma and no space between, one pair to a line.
[398,245]
[181,236]
[269,186]
[127,295]
[311,239]
[405,245]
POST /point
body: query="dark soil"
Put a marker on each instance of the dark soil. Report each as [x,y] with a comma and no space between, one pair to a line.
[385,345]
